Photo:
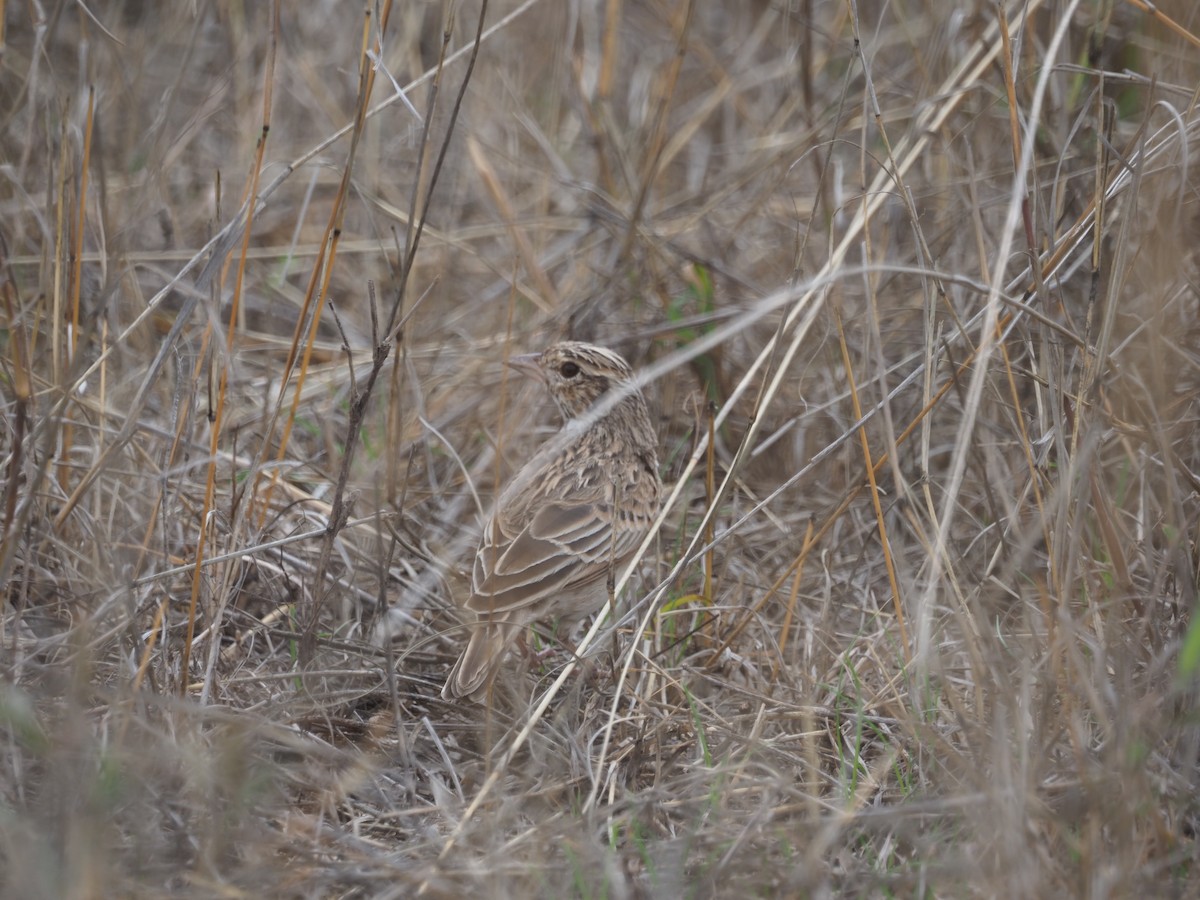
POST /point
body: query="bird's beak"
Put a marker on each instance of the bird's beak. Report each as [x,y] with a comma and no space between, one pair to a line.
[527,363]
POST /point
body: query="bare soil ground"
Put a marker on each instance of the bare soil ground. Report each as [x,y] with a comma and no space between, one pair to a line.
[913,287]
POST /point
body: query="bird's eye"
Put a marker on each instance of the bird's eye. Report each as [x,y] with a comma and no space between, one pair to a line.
[568,370]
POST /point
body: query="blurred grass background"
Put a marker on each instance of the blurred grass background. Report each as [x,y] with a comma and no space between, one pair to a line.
[915,287]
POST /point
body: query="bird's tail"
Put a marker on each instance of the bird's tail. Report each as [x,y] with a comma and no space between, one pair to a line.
[479,663]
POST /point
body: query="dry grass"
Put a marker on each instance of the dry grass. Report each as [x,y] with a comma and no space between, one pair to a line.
[919,617]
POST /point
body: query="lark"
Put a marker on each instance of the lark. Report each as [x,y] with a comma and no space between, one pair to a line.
[571,518]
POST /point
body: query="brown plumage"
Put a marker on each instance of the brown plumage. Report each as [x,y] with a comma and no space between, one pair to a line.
[573,515]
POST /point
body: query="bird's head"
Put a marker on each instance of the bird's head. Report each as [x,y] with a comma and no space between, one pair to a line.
[576,374]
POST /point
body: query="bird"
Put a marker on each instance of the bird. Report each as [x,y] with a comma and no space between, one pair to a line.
[572,516]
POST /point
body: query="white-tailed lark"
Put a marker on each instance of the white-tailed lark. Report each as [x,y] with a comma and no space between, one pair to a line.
[571,518]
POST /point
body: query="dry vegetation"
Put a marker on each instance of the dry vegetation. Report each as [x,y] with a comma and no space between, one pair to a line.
[916,300]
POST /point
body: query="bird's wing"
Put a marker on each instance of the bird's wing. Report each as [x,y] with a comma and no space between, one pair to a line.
[564,545]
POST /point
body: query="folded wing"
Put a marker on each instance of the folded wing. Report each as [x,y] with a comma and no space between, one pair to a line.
[565,545]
